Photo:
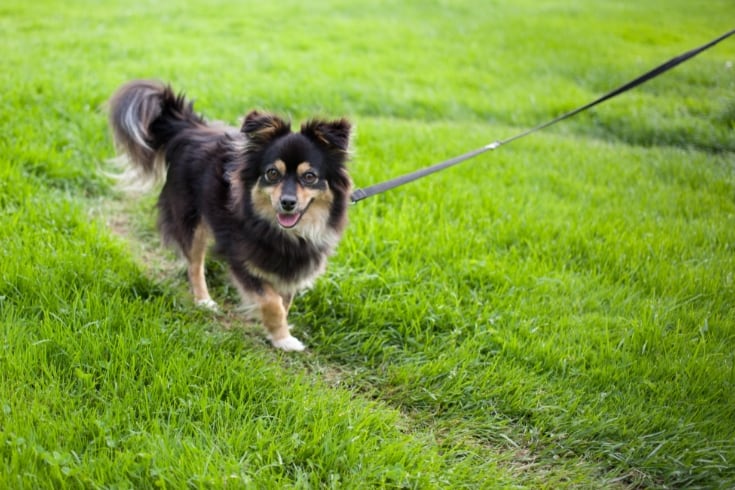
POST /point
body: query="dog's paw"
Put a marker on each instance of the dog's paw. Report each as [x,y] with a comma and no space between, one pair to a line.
[208,304]
[288,344]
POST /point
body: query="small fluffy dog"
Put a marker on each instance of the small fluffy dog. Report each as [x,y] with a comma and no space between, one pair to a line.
[275,201]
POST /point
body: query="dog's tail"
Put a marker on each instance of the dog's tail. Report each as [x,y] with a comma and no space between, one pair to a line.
[144,116]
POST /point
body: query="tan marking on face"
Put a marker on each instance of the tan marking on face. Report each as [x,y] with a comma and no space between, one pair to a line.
[305,195]
[313,225]
[264,200]
[302,168]
[280,166]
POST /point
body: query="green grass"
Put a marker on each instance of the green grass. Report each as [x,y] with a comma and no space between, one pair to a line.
[557,313]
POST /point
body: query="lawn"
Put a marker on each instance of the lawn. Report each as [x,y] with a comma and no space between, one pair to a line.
[556,313]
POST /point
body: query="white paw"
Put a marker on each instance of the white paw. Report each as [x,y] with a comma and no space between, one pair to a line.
[288,344]
[208,304]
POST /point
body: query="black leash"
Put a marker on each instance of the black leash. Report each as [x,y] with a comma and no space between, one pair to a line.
[360,194]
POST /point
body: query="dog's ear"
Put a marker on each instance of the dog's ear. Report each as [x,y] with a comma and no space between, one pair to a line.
[331,135]
[261,127]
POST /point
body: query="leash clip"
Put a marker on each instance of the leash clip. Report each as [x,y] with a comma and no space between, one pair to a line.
[357,195]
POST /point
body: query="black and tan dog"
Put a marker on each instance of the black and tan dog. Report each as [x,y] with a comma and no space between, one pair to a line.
[275,201]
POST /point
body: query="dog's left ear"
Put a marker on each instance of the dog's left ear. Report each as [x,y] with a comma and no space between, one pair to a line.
[331,135]
[261,127]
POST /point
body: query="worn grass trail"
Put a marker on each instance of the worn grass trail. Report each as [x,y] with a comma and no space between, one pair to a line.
[556,313]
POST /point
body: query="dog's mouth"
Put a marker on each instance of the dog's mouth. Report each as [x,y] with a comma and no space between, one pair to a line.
[289,220]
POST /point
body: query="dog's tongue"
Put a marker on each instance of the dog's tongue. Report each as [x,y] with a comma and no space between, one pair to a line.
[288,220]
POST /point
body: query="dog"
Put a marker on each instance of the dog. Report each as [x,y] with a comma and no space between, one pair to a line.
[273,200]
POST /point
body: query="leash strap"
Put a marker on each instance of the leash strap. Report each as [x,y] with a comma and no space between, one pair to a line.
[360,194]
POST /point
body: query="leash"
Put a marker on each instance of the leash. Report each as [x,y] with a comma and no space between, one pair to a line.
[360,194]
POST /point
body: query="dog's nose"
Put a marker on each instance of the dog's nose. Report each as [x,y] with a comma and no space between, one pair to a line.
[288,203]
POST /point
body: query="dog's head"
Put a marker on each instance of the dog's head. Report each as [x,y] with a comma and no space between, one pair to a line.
[297,181]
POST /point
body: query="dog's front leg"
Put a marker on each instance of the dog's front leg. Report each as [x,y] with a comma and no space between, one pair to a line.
[274,314]
[272,308]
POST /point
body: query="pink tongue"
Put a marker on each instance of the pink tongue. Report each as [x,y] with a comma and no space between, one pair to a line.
[288,220]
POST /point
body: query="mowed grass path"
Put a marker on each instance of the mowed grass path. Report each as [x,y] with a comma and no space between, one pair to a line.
[558,313]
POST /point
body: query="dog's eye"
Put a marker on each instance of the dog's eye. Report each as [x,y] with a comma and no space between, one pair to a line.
[272,175]
[309,178]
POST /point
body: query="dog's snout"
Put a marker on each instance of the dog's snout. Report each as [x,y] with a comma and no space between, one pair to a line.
[288,203]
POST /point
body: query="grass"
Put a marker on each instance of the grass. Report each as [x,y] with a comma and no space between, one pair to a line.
[558,313]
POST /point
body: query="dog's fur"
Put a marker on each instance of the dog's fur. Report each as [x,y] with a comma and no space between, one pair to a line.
[274,200]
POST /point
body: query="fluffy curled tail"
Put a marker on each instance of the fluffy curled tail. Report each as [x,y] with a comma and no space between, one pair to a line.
[144,116]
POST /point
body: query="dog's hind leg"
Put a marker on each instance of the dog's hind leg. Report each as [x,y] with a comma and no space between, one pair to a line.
[197,279]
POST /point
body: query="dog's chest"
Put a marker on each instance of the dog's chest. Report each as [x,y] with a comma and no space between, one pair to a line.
[289,278]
